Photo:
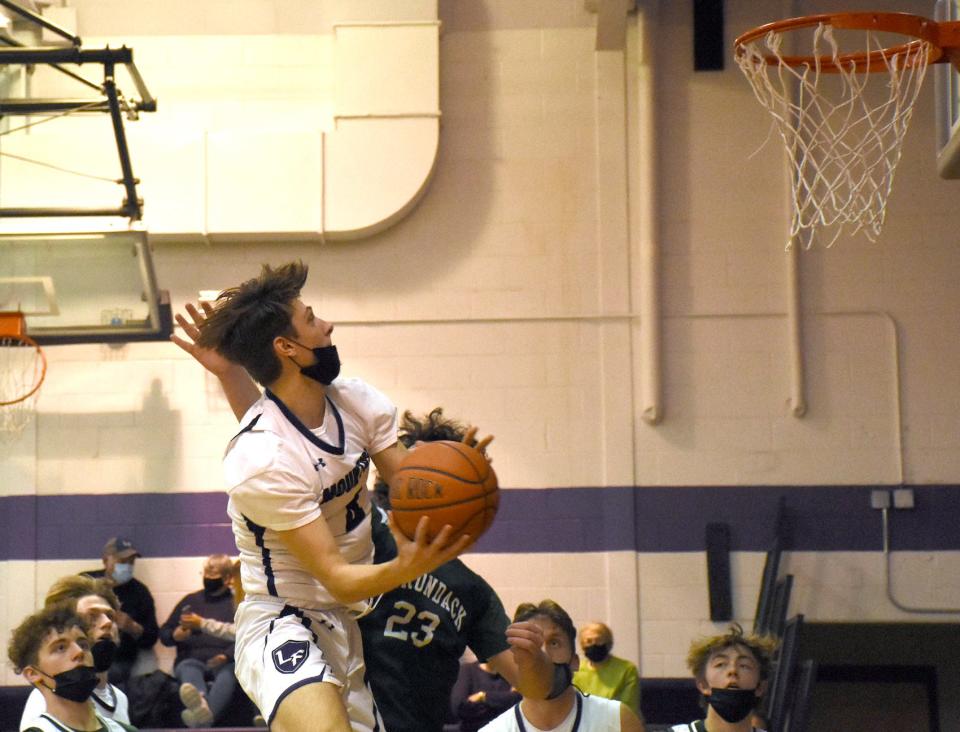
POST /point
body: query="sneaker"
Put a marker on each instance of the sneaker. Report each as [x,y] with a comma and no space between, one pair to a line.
[197,712]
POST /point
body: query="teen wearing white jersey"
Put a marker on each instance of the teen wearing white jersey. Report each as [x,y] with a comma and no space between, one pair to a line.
[51,650]
[97,606]
[568,710]
[297,479]
[731,672]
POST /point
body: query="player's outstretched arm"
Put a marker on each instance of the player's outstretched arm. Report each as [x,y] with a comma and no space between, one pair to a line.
[524,664]
[313,544]
[241,391]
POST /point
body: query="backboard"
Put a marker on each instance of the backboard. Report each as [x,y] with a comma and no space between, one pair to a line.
[94,287]
[947,80]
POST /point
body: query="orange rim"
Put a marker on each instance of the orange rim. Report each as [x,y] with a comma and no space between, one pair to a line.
[28,342]
[924,30]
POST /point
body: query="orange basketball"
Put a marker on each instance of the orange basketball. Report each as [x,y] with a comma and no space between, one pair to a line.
[450,482]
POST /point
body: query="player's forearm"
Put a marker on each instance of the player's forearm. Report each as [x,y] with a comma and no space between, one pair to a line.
[353,582]
[240,390]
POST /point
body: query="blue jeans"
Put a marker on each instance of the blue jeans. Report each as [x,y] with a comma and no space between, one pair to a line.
[217,685]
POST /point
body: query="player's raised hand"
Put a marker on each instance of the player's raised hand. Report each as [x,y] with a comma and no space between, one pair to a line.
[422,555]
[212,361]
[525,639]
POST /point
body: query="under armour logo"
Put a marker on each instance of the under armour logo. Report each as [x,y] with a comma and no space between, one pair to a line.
[319,464]
[290,656]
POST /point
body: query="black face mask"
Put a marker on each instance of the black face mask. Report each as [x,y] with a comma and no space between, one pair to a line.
[326,367]
[212,585]
[596,653]
[77,684]
[104,651]
[732,704]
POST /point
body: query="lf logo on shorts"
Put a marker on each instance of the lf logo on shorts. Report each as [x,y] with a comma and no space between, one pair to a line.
[290,656]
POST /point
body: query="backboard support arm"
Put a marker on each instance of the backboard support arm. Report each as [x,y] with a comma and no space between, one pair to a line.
[113,104]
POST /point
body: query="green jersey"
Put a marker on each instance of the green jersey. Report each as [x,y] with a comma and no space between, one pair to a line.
[413,639]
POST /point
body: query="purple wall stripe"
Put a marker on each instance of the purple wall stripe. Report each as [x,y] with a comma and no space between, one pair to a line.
[818,518]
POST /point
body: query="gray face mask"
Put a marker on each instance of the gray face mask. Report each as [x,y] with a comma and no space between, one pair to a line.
[122,573]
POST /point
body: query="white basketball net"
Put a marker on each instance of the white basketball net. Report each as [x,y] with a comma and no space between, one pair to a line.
[843,143]
[21,370]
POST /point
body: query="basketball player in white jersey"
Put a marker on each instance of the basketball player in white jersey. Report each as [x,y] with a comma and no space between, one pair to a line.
[51,650]
[94,603]
[731,671]
[568,710]
[296,474]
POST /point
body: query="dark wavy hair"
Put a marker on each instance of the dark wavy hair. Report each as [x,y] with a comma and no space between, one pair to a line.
[24,647]
[247,318]
[428,428]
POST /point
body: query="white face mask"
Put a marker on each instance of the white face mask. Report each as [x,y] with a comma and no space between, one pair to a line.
[122,573]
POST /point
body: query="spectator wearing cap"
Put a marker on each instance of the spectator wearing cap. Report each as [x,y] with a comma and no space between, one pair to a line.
[137,618]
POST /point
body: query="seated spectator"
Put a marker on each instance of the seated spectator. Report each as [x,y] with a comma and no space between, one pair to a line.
[565,708]
[95,604]
[731,672]
[479,695]
[225,630]
[602,673]
[50,649]
[137,618]
[204,663]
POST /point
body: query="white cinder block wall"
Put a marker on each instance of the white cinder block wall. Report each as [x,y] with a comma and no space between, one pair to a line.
[525,248]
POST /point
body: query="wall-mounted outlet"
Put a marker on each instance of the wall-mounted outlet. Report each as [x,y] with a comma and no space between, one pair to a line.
[903,498]
[879,499]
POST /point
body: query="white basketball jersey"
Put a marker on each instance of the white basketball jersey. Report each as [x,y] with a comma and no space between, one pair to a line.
[589,714]
[48,723]
[282,475]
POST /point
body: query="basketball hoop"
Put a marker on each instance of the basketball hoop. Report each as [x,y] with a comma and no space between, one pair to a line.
[843,113]
[22,370]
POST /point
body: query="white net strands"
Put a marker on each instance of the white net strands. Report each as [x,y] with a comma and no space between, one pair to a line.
[843,124]
[22,368]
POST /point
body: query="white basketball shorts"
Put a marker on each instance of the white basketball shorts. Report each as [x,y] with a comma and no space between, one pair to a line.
[280,648]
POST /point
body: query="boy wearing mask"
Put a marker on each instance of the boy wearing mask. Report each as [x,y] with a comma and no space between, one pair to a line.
[731,673]
[50,649]
[95,604]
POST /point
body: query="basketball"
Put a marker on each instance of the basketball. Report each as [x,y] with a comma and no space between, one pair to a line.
[450,482]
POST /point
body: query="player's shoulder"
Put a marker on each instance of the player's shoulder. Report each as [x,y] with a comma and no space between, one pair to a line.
[260,444]
[356,395]
[600,701]
[456,573]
